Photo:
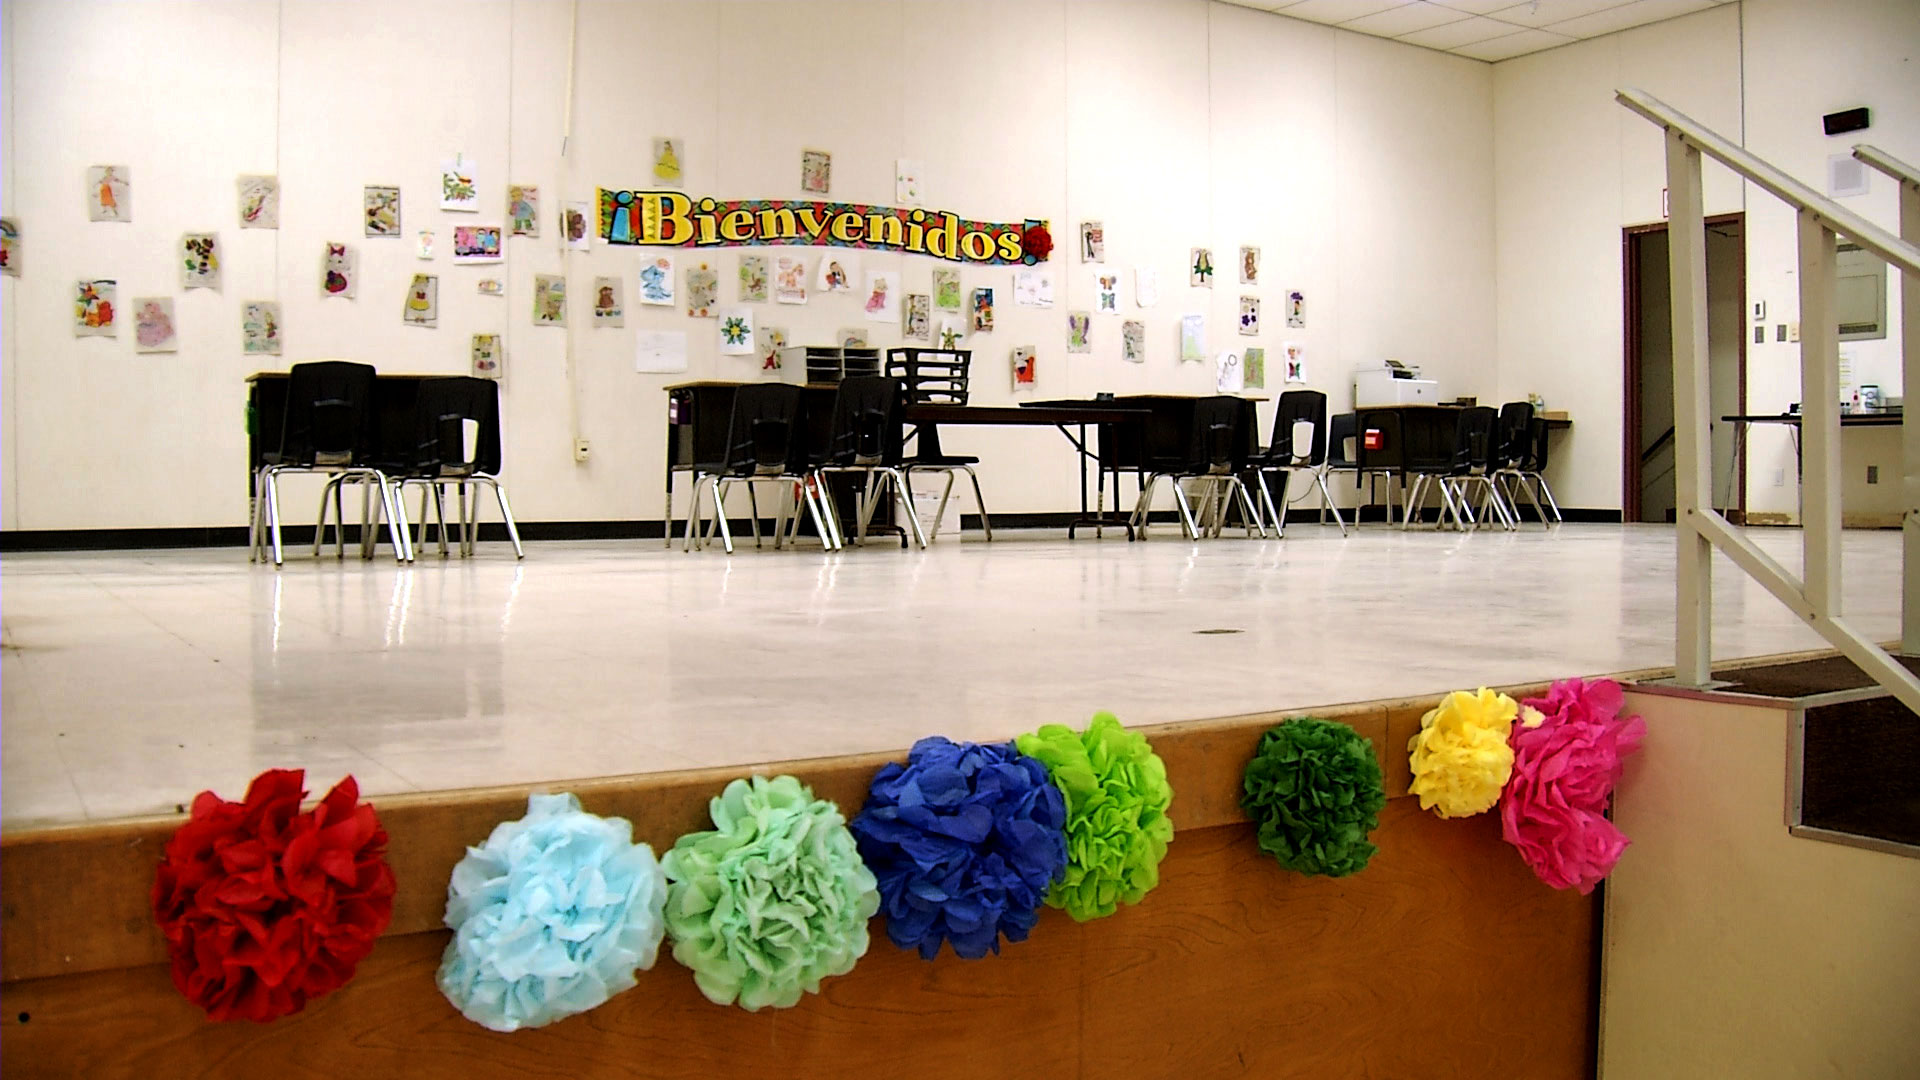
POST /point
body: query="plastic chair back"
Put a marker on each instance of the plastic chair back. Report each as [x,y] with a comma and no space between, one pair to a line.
[328,418]
[1474,438]
[866,422]
[762,433]
[1516,417]
[1299,407]
[457,426]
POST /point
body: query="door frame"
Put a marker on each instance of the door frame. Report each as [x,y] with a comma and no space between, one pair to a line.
[1630,237]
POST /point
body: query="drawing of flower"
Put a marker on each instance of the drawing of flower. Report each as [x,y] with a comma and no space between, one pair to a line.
[734,330]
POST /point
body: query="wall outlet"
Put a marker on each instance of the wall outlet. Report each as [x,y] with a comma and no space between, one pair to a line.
[1759,335]
[1780,331]
[1779,478]
[1873,474]
[581,448]
[1793,331]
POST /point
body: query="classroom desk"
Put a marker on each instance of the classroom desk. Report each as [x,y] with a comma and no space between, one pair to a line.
[1791,421]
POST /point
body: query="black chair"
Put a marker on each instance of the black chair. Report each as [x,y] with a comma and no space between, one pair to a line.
[1527,472]
[1299,413]
[1432,454]
[937,377]
[1218,446]
[329,430]
[866,439]
[1380,452]
[1476,454]
[440,455]
[765,442]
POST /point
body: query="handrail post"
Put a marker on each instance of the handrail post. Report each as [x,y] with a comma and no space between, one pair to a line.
[1910,431]
[1819,419]
[1687,263]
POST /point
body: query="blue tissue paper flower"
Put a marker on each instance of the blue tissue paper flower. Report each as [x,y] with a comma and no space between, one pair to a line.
[551,916]
[965,840]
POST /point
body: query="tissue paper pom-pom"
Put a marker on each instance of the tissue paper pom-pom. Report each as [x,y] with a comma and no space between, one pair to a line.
[1117,824]
[1460,755]
[264,906]
[551,916]
[773,900]
[965,841]
[1566,759]
[1314,788]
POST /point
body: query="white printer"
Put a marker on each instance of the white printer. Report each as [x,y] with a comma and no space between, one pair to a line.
[1392,383]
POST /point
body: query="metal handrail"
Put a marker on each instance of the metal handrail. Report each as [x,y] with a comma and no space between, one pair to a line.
[1886,163]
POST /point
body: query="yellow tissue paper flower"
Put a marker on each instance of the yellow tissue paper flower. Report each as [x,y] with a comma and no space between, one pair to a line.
[1461,759]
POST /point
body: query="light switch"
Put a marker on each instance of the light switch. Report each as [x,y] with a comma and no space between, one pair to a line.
[1759,335]
[1780,331]
[1793,331]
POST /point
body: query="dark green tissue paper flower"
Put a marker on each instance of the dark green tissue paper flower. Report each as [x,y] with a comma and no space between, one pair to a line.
[1314,789]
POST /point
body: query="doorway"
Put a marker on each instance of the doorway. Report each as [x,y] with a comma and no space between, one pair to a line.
[1648,484]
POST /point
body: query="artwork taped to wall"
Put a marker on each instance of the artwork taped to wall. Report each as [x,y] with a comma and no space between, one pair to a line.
[339,270]
[882,296]
[488,356]
[1250,316]
[93,308]
[1024,368]
[9,247]
[457,189]
[656,281]
[1296,360]
[767,342]
[1228,377]
[1079,332]
[423,301]
[753,279]
[982,310]
[1249,266]
[1200,268]
[816,171]
[199,260]
[703,291]
[916,317]
[492,287]
[906,182]
[669,161]
[578,236]
[609,302]
[1296,308]
[850,337]
[523,210]
[260,328]
[660,350]
[382,209]
[549,300]
[1108,283]
[836,274]
[1146,286]
[1193,338]
[259,202]
[946,289]
[109,193]
[1133,341]
[153,327]
[1033,288]
[736,332]
[476,243]
[789,279]
[1093,242]
[1254,363]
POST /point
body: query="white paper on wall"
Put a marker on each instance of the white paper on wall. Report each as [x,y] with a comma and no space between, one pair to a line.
[1228,378]
[1146,286]
[660,350]
[1033,288]
[736,331]
[882,296]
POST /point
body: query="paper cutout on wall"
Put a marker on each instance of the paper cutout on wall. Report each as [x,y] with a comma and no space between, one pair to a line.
[768,341]
[492,287]
[703,291]
[673,219]
[1296,308]
[609,302]
[1093,242]
[1249,266]
[579,236]
[1108,283]
[199,260]
[1033,288]
[423,243]
[753,279]
[457,189]
[1250,316]
[946,289]
[153,328]
[1133,341]
[816,171]
[882,296]
[656,281]
[789,279]
[423,301]
[736,332]
[339,270]
[9,247]
[669,161]
[93,308]
[109,193]
[381,207]
[1200,268]
[259,202]
[260,328]
[916,317]
[906,182]
[660,350]
[851,337]
[1193,338]
[1146,286]
[1296,357]
[549,300]
[487,356]
[476,243]
[1024,371]
[982,310]
[1079,332]
[1254,363]
[1228,378]
[836,274]
[523,210]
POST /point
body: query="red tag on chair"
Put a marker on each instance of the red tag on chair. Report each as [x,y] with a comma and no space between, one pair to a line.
[1374,440]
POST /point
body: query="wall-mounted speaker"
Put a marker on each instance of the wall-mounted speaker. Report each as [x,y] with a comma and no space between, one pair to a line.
[1839,123]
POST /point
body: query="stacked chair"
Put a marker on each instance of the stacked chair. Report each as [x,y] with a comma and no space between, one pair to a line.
[1216,455]
[330,429]
[446,412]
[1299,444]
[1523,462]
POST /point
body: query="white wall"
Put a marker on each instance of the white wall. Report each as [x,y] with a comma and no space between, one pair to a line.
[1364,169]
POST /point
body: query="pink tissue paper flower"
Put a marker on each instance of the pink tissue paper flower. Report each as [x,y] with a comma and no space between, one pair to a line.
[1567,748]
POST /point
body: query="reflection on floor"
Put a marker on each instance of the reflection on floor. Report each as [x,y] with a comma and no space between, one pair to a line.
[133,680]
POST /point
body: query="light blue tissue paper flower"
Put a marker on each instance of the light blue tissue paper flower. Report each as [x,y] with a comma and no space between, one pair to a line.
[551,916]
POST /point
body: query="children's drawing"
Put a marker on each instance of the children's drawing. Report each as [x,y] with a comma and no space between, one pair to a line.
[9,247]
[1250,316]
[1200,268]
[1093,242]
[1228,378]
[1249,266]
[423,244]
[423,301]
[153,330]
[486,356]
[851,337]
[199,261]
[382,209]
[667,161]
[660,350]
[916,317]
[109,193]
[836,274]
[492,287]
[1296,308]
[883,296]
[476,243]
[339,270]
[93,303]
[816,171]
[1079,332]
[1254,363]
[259,202]
[1146,287]
[609,302]
[906,182]
[736,332]
[951,335]
[753,279]
[549,300]
[1133,341]
[1109,283]
[1023,368]
[523,210]
[1033,288]
[768,341]
[1296,360]
[703,291]
[260,327]
[982,310]
[946,289]
[457,189]
[578,239]
[789,279]
[656,281]
[1193,338]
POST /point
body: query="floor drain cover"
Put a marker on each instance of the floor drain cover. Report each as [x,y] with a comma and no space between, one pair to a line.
[1220,631]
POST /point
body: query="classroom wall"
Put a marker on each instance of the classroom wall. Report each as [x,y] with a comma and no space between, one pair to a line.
[1178,123]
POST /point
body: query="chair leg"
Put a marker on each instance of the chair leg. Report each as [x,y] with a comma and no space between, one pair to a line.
[979,500]
[940,511]
[1546,490]
[1187,521]
[330,492]
[398,529]
[1250,516]
[1266,499]
[1143,508]
[753,511]
[693,512]
[820,507]
[903,495]
[273,518]
[506,517]
[1327,503]
[720,514]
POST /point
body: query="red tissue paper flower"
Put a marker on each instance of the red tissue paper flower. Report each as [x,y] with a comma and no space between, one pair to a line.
[265,906]
[1567,748]
[1036,243]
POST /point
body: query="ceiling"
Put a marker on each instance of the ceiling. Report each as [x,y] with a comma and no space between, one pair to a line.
[1483,29]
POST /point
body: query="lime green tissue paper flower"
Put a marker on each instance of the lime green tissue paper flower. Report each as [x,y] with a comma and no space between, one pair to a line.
[771,901]
[1117,825]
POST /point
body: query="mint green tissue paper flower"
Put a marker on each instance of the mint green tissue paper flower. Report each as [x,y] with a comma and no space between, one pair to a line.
[771,901]
[1117,825]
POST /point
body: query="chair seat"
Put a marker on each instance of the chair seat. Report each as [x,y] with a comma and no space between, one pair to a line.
[941,461]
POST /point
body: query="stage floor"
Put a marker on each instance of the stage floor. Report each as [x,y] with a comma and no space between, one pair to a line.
[132,680]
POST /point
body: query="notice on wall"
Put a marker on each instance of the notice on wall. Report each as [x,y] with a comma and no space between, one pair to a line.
[660,351]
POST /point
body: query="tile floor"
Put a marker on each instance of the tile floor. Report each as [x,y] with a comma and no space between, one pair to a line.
[134,679]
